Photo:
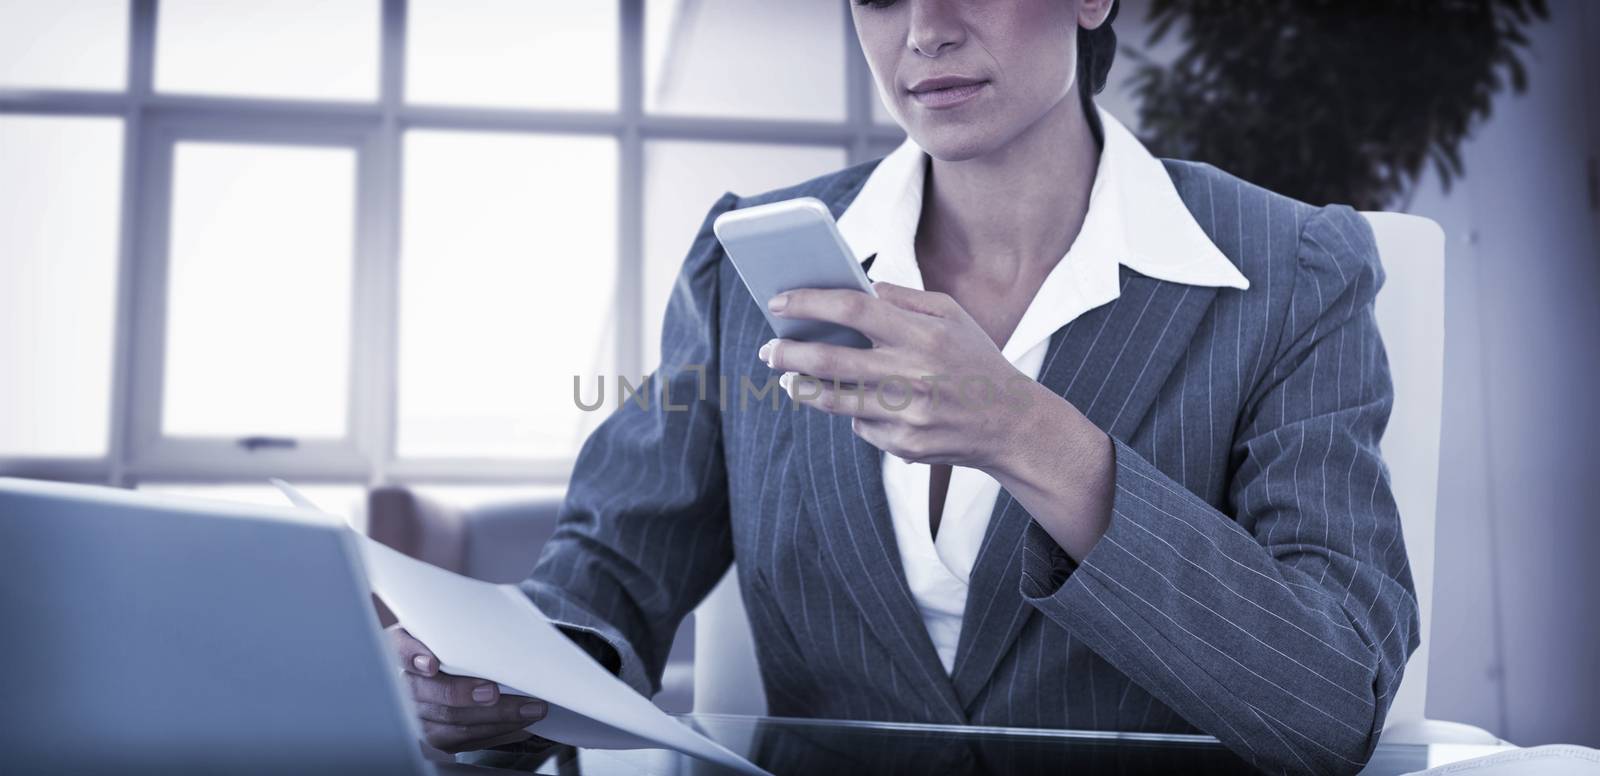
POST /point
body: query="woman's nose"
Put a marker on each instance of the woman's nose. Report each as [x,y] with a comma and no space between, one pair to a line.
[934,26]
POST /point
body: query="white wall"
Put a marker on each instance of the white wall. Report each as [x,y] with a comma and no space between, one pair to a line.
[1517,596]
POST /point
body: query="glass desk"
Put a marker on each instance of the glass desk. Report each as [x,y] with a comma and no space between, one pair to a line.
[835,748]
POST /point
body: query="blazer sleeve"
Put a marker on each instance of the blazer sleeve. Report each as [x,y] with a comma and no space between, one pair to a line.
[1281,626]
[643,533]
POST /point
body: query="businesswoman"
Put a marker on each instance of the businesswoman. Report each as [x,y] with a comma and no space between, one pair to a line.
[1112,461]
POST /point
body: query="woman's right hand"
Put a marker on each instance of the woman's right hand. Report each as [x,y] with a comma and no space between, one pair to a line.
[459,713]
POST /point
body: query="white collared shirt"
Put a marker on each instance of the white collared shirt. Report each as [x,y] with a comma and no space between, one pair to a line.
[1135,218]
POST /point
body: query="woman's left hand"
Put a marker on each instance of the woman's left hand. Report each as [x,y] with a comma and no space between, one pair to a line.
[933,389]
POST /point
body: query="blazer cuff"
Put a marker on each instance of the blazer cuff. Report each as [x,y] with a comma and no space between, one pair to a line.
[1056,585]
[592,634]
[1045,566]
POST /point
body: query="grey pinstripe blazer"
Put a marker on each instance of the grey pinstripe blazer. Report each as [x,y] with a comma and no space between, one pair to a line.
[1252,585]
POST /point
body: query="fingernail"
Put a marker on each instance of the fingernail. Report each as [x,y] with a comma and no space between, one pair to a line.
[484,693]
[777,303]
[785,381]
[535,710]
[765,354]
[422,663]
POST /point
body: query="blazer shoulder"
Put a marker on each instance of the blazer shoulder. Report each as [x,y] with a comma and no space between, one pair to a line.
[1221,202]
[1192,177]
[836,189]
[1338,244]
[1272,237]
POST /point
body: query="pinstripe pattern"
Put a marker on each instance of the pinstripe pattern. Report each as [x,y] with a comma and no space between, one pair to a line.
[1252,585]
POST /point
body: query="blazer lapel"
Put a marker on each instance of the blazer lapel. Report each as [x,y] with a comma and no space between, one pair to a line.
[852,514]
[1110,363]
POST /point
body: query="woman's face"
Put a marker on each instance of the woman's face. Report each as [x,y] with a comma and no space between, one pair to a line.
[1003,64]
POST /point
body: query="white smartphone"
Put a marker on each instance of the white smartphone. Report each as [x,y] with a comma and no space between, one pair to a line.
[787,245]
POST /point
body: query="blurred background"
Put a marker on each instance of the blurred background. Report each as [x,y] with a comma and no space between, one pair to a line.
[359,243]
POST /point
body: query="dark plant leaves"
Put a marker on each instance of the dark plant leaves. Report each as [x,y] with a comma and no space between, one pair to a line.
[1329,100]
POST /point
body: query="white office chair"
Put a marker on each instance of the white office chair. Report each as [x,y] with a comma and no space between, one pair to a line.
[722,639]
[1410,311]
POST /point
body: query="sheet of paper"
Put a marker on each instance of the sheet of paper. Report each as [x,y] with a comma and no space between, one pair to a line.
[495,632]
[1547,760]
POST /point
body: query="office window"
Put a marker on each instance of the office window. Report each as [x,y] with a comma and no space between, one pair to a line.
[512,54]
[508,277]
[60,179]
[258,301]
[303,49]
[774,60]
[469,496]
[682,179]
[373,241]
[82,44]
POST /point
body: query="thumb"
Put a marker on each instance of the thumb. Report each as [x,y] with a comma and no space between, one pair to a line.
[415,657]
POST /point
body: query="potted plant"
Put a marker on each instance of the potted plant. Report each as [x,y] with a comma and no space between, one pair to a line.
[1329,100]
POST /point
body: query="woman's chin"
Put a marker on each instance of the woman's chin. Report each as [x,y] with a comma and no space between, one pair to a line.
[953,142]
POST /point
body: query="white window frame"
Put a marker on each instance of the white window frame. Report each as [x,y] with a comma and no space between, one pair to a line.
[153,122]
[151,452]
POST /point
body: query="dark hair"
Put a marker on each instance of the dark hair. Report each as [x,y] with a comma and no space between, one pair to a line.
[1096,49]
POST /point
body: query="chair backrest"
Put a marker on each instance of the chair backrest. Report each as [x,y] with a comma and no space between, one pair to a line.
[727,679]
[1410,311]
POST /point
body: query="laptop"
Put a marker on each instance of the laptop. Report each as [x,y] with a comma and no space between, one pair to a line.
[151,633]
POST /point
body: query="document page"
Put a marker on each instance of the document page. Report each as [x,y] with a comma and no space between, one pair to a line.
[495,632]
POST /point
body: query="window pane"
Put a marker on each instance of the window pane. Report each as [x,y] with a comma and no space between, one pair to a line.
[746,59]
[507,284]
[512,54]
[258,298]
[59,182]
[81,44]
[474,496]
[682,179]
[308,49]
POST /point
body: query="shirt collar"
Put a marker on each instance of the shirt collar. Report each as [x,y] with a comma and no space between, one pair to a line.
[1135,218]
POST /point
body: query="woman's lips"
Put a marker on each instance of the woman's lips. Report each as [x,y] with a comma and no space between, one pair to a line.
[948,97]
